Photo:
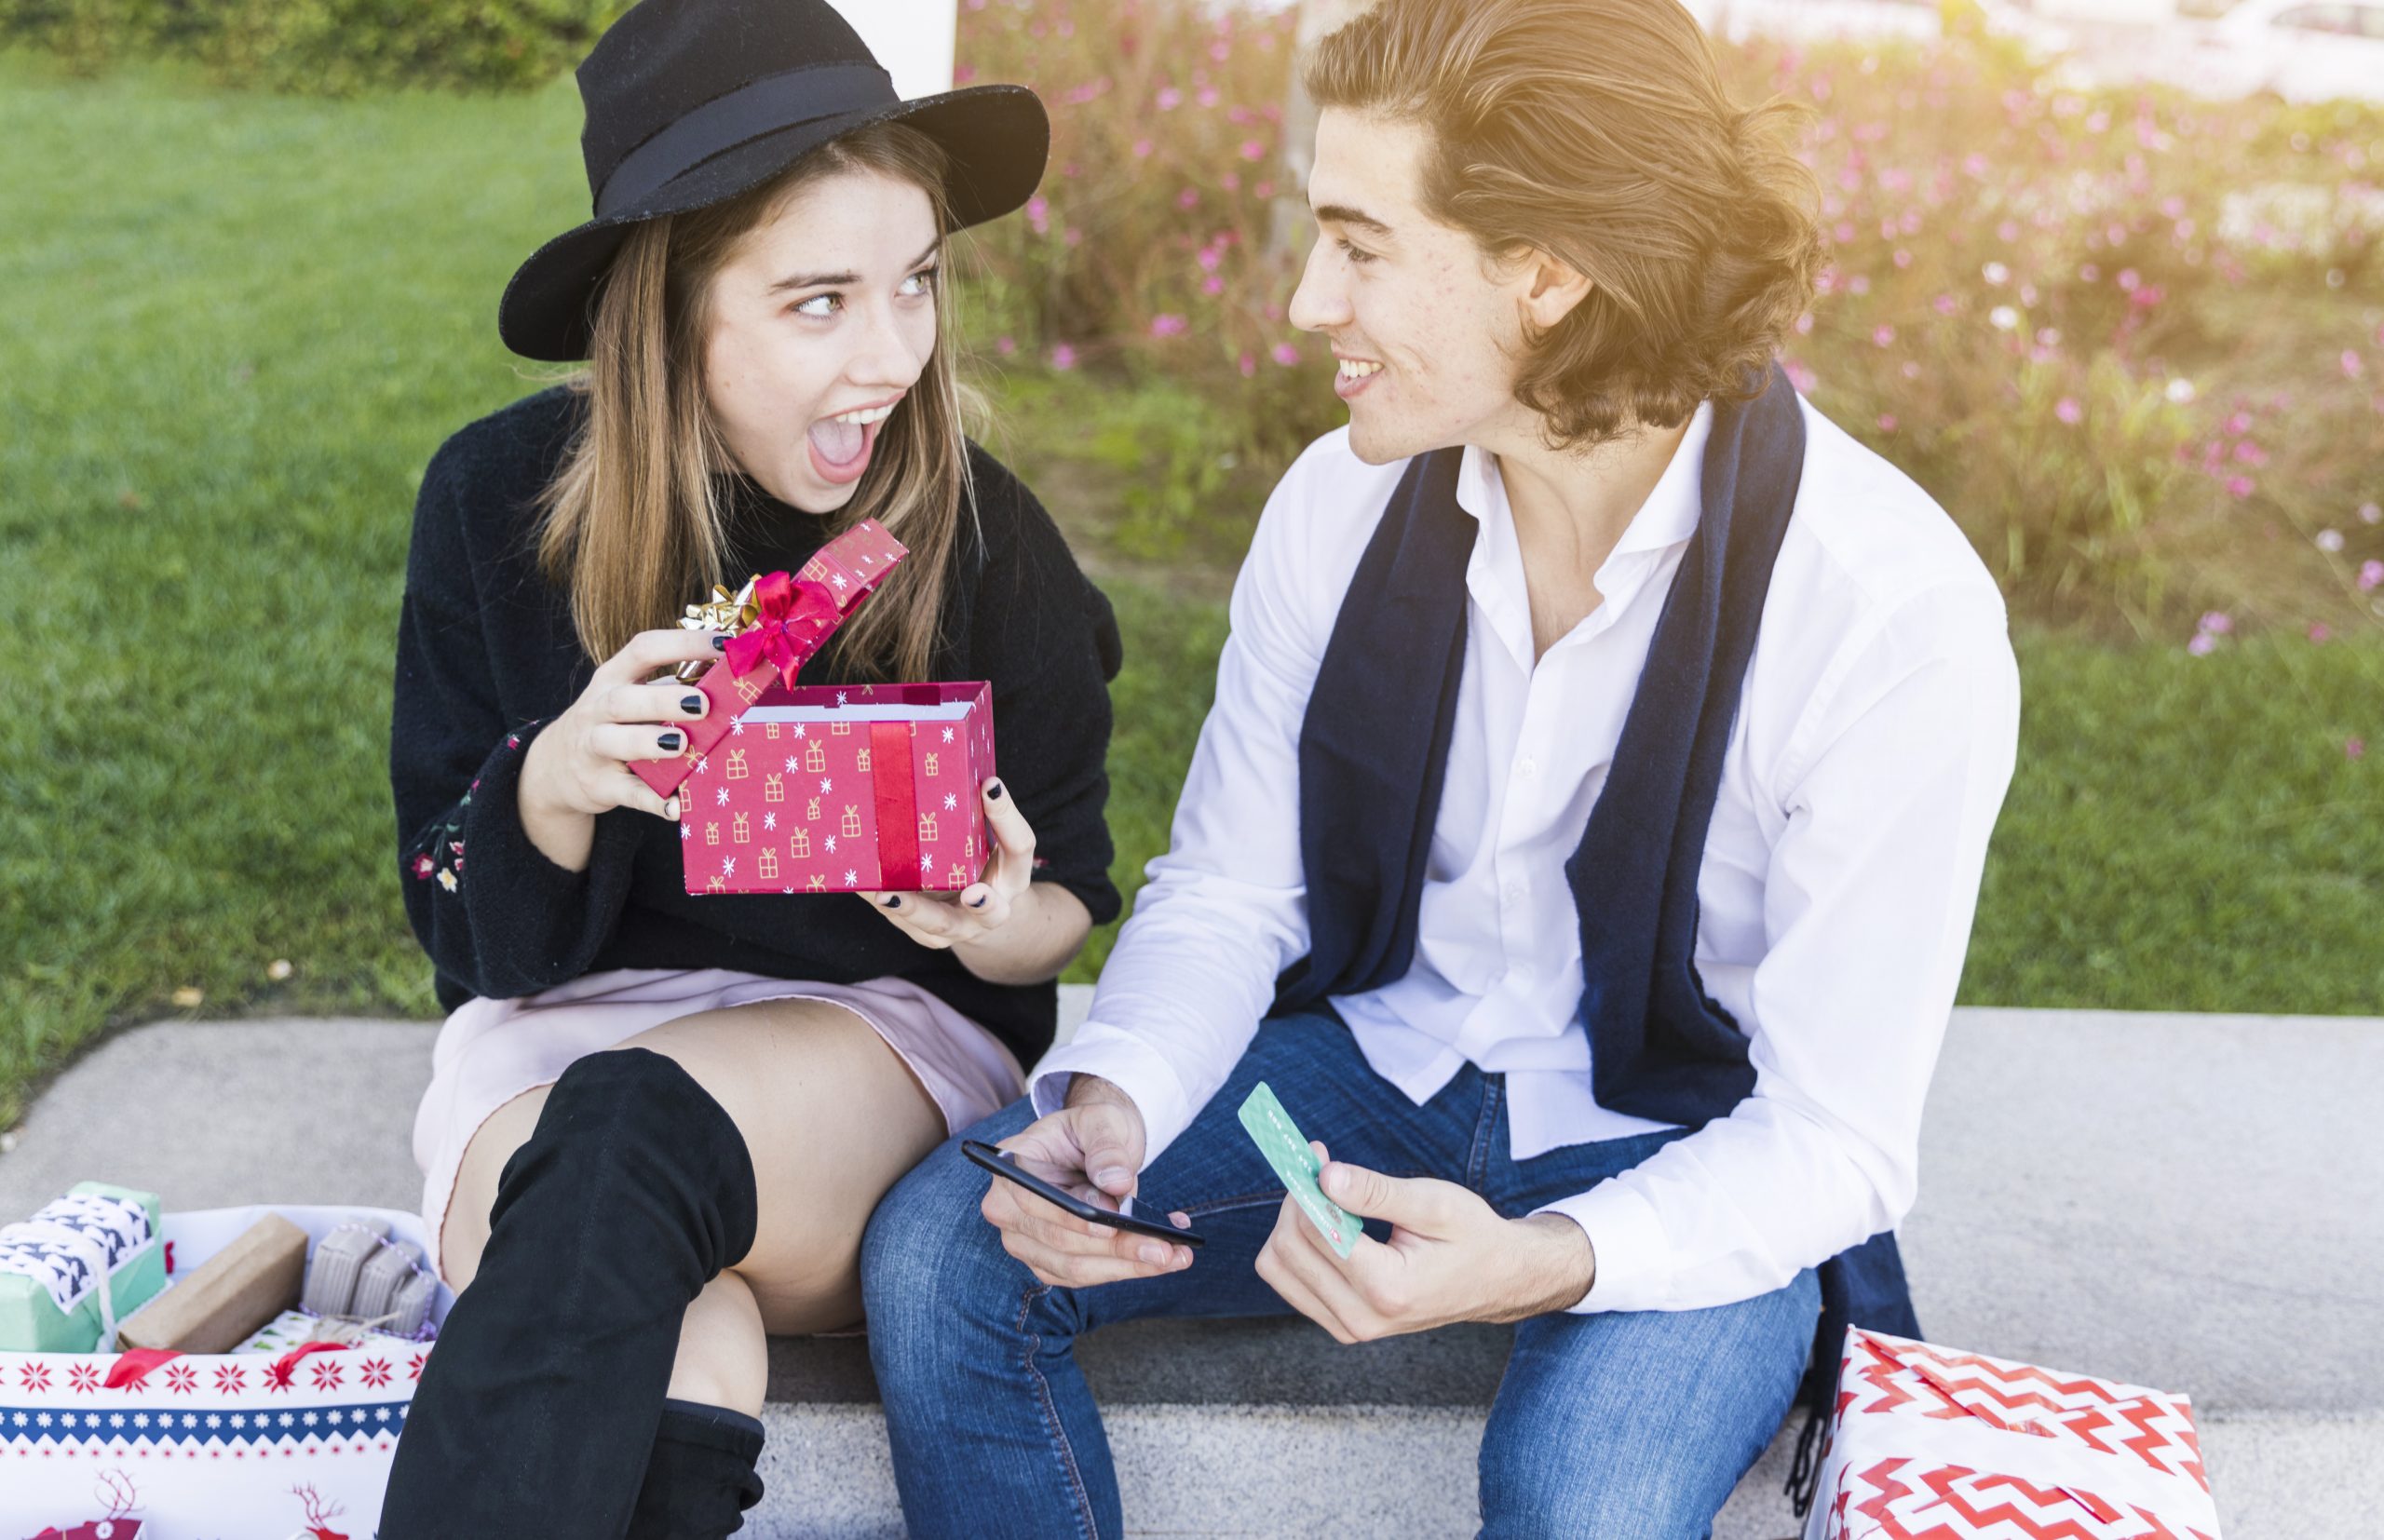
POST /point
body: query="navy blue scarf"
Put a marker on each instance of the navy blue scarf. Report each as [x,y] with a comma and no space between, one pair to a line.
[1374,751]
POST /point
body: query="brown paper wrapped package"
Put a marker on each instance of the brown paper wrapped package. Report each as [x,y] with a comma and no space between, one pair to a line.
[229,1296]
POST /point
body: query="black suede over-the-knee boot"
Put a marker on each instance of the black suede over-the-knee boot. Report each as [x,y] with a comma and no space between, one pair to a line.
[539,1406]
[701,1478]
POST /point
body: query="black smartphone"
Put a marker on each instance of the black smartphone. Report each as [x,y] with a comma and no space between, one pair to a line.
[1005,1164]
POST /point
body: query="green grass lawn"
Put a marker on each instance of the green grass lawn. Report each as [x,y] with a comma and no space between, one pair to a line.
[234,336]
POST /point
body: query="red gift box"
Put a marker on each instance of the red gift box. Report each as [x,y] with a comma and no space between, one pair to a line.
[1929,1443]
[797,615]
[826,789]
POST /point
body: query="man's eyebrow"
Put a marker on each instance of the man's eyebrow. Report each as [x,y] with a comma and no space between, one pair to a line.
[1341,213]
[814,280]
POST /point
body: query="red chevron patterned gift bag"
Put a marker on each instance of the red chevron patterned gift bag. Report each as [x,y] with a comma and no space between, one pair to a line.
[1929,1443]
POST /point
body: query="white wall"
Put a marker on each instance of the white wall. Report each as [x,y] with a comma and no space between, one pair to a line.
[912,38]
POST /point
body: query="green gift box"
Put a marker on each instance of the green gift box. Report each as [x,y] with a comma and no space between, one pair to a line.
[51,1268]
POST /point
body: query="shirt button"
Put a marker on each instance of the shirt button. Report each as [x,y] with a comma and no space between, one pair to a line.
[1526,767]
[1512,894]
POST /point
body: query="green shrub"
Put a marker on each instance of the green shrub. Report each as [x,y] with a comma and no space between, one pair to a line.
[327,47]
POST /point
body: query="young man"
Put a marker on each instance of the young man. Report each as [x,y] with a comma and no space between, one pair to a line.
[1584,843]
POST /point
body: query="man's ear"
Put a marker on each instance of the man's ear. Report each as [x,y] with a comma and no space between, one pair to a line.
[1551,288]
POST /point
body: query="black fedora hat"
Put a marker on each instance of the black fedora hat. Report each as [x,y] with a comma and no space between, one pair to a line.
[690,102]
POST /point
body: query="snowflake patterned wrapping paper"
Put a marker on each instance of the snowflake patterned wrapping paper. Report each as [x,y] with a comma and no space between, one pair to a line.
[1930,1442]
[796,616]
[75,1269]
[840,789]
[165,1446]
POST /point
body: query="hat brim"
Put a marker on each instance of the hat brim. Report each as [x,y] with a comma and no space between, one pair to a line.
[996,137]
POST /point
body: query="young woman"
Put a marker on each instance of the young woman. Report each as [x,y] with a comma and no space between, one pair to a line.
[657,1125]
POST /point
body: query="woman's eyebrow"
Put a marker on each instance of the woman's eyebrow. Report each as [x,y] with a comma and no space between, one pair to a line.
[813,280]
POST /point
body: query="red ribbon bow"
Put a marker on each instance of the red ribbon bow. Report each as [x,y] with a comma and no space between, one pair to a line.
[797,615]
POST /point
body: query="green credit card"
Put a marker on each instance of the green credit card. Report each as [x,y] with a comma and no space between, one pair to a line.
[1280,1141]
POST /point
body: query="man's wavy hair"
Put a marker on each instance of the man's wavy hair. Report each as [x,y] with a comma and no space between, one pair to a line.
[1598,131]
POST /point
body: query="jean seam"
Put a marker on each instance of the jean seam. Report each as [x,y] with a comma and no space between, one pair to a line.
[1477,1162]
[1056,1429]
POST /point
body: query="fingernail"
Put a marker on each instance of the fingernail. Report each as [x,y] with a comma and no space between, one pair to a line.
[691,703]
[1153,1251]
[894,901]
[671,808]
[995,790]
[669,740]
[1109,1174]
[978,901]
[720,641]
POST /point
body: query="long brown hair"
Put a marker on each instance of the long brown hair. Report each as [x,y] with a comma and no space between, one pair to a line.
[633,525]
[1599,132]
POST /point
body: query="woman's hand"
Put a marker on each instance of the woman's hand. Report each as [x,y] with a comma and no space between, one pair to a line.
[1003,927]
[578,765]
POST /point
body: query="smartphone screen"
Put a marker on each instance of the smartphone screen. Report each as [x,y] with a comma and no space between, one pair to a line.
[1043,1181]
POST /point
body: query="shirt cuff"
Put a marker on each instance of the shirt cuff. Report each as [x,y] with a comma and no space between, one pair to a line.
[1133,1067]
[1635,1265]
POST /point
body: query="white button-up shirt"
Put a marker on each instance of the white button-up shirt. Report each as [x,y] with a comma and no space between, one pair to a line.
[1864,769]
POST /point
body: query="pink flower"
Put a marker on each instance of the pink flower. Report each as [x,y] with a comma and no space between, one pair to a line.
[2371,577]
[423,866]
[1249,364]
[2370,513]
[1170,99]
[2202,644]
[1946,305]
[2217,622]
[1039,215]
[1285,354]
[1886,422]
[963,74]
[2322,632]
[1903,257]
[2352,367]
[1207,97]
[1143,148]
[2128,279]
[2354,749]
[1169,325]
[1253,149]
[1063,357]
[1006,346]
[1799,376]
[1882,335]
[2068,411]
[2239,486]
[1213,285]
[1186,198]
[2250,454]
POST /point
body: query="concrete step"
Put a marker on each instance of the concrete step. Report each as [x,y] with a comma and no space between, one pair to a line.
[2193,1202]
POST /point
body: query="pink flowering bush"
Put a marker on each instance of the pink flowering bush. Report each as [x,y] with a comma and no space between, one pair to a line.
[2133,341]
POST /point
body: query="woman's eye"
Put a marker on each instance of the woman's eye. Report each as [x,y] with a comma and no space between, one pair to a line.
[924,278]
[805,308]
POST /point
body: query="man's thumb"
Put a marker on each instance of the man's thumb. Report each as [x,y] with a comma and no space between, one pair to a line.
[1108,1158]
[1371,1195]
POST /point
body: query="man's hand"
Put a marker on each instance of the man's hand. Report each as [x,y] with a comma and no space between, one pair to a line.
[1092,1148]
[1450,1258]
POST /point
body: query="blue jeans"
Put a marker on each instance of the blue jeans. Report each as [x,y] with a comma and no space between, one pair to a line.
[1629,1425]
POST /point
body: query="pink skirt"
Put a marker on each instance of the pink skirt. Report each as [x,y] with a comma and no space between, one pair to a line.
[490,1051]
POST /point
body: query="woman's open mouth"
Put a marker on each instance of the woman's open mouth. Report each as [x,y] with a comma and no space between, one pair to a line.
[841,445]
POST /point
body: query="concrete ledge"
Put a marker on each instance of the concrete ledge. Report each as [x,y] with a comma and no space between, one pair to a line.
[2189,1201]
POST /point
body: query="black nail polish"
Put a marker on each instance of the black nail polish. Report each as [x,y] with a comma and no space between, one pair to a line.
[978,902]
[670,740]
[995,790]
[691,703]
[720,642]
[894,901]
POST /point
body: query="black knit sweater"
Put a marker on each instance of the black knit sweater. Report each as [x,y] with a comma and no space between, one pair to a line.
[487,656]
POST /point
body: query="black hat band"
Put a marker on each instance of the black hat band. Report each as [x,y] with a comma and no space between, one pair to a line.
[763,106]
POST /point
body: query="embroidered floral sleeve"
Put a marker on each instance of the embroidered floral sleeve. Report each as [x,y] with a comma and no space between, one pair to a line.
[440,855]
[456,749]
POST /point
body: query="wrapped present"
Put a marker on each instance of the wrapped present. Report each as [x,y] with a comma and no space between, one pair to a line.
[776,623]
[238,1289]
[1928,1442]
[293,1328]
[830,789]
[71,1272]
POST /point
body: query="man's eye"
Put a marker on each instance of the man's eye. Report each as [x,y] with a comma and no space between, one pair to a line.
[1353,253]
